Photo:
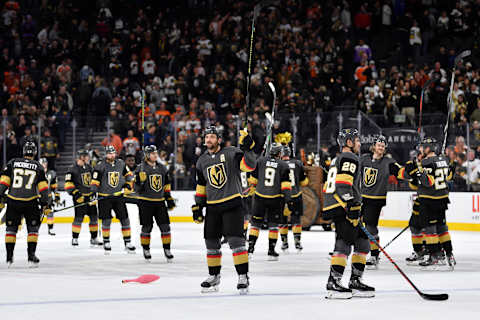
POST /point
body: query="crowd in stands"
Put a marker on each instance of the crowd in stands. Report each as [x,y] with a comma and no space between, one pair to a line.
[186,63]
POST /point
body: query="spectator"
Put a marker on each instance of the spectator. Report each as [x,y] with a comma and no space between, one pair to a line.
[113,140]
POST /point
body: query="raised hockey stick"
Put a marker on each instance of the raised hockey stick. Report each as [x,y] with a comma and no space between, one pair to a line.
[426,85]
[457,60]
[270,121]
[256,12]
[146,278]
[398,235]
[426,296]
[143,117]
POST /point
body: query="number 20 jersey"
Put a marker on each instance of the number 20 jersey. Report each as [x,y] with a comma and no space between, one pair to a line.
[343,181]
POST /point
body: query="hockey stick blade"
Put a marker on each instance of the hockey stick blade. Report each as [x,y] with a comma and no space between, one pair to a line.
[434,297]
[462,55]
[272,87]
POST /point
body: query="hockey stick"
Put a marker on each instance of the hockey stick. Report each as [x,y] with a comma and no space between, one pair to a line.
[457,60]
[398,235]
[270,121]
[256,13]
[426,85]
[426,296]
[116,194]
[143,117]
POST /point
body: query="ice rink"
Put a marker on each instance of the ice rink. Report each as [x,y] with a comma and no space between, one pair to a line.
[83,283]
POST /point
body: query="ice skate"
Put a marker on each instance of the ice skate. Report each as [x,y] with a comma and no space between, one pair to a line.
[33,261]
[272,255]
[360,289]
[285,247]
[430,263]
[129,247]
[51,232]
[147,255]
[95,243]
[372,263]
[298,246]
[168,255]
[335,290]
[9,263]
[451,261]
[74,242]
[107,247]
[211,284]
[243,283]
[415,258]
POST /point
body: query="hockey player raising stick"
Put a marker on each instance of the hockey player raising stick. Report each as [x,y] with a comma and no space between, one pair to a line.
[53,195]
[273,189]
[376,169]
[342,204]
[219,190]
[109,178]
[152,184]
[297,179]
[24,178]
[77,184]
[432,174]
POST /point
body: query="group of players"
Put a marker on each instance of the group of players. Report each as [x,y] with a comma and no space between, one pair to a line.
[236,188]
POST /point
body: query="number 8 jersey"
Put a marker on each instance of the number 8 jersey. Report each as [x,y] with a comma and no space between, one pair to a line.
[343,181]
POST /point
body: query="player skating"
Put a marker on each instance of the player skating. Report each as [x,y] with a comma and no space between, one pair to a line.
[52,181]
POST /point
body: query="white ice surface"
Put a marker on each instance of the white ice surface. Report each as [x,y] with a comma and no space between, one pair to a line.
[83,283]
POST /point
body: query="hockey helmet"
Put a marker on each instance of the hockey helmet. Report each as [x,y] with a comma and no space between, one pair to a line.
[347,134]
[43,161]
[149,149]
[212,130]
[380,138]
[110,149]
[430,142]
[276,150]
[29,149]
[82,152]
[286,152]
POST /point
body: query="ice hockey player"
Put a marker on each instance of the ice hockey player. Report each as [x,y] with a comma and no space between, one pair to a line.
[110,179]
[53,195]
[342,204]
[152,184]
[24,178]
[77,184]
[247,193]
[219,190]
[297,179]
[433,173]
[273,190]
[376,168]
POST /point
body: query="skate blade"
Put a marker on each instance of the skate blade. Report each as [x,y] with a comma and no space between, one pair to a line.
[371,267]
[338,295]
[243,291]
[270,258]
[9,265]
[210,290]
[412,263]
[299,251]
[107,253]
[363,294]
[32,265]
[148,260]
[169,260]
[285,251]
[130,251]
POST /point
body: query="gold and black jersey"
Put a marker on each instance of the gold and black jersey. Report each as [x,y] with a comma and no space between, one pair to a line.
[110,177]
[375,174]
[152,183]
[218,175]
[78,179]
[49,147]
[297,176]
[25,180]
[271,178]
[434,173]
[343,181]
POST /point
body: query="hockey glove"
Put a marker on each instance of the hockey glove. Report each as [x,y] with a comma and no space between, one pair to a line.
[56,197]
[170,203]
[93,199]
[46,210]
[245,141]
[286,211]
[353,212]
[411,168]
[78,198]
[143,176]
[197,214]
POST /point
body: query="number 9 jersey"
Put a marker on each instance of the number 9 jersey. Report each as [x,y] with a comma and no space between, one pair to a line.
[343,181]
[25,180]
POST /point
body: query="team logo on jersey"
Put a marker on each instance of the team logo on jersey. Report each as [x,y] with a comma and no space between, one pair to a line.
[217,176]
[86,179]
[113,178]
[369,176]
[156,182]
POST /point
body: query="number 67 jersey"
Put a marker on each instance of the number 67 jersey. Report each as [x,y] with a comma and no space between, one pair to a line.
[343,181]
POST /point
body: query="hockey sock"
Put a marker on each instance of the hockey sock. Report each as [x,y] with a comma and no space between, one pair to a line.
[76,227]
[126,232]
[240,259]
[417,242]
[166,235]
[359,259]
[272,237]
[446,242]
[297,232]
[214,261]
[374,252]
[433,243]
[32,240]
[50,222]
[338,263]
[106,230]
[93,230]
[10,240]
[245,225]
[283,232]
[145,240]
[252,239]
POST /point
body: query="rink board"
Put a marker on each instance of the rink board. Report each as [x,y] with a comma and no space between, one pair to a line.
[463,212]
